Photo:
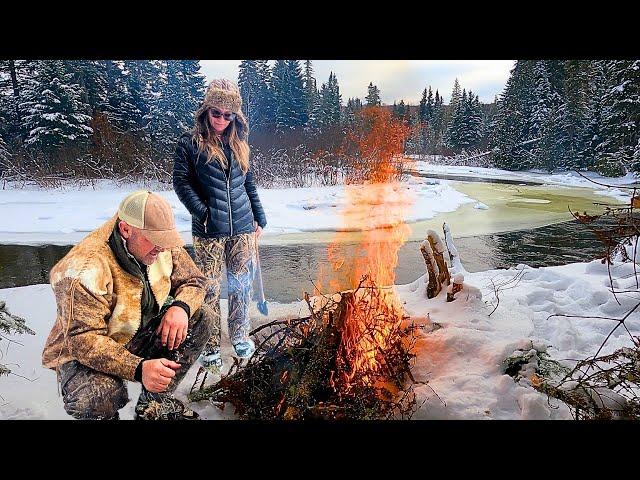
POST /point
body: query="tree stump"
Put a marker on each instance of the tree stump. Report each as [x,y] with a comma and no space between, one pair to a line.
[433,286]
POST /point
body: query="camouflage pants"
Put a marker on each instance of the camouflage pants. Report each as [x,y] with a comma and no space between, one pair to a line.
[239,255]
[92,395]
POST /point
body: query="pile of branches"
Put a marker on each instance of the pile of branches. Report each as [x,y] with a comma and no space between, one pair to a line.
[603,387]
[304,369]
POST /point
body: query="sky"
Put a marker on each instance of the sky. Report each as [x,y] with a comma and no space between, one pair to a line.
[396,79]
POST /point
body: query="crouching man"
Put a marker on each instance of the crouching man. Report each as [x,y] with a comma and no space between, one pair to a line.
[129,307]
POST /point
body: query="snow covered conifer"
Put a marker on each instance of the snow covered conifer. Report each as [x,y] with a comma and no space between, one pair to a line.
[249,84]
[54,113]
[373,96]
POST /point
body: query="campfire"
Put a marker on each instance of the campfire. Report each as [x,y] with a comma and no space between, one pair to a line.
[350,357]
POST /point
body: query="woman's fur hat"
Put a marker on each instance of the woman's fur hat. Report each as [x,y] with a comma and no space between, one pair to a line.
[221,93]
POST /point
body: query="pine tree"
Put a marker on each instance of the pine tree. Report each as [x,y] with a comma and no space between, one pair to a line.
[620,117]
[297,95]
[554,146]
[194,88]
[373,96]
[142,79]
[311,95]
[542,100]
[18,73]
[576,116]
[475,120]
[402,110]
[512,120]
[591,133]
[117,102]
[266,109]
[90,75]
[330,101]
[456,96]
[354,105]
[280,83]
[250,89]
[437,124]
[54,112]
[166,118]
[4,149]
[422,109]
[457,131]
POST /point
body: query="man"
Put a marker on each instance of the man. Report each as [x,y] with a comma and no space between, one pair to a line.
[129,307]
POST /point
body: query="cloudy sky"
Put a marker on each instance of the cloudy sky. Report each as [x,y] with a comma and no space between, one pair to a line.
[396,79]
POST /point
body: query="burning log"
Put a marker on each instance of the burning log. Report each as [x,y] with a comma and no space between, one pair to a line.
[348,360]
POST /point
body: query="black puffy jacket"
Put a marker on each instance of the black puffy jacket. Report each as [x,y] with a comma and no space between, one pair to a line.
[220,205]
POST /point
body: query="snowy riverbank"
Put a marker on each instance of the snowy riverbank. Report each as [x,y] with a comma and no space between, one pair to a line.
[462,361]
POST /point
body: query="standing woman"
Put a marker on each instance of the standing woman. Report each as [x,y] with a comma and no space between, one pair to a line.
[212,178]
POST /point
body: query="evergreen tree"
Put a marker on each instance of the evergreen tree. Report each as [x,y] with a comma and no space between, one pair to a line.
[266,108]
[576,114]
[288,95]
[117,102]
[280,84]
[4,150]
[513,112]
[422,109]
[142,80]
[456,96]
[620,117]
[311,95]
[90,75]
[456,135]
[330,102]
[194,88]
[170,107]
[474,121]
[591,134]
[429,106]
[250,90]
[297,95]
[437,124]
[354,105]
[542,100]
[14,76]
[373,96]
[54,111]
[401,110]
[555,145]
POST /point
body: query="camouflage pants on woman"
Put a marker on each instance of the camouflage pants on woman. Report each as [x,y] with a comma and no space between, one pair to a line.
[239,255]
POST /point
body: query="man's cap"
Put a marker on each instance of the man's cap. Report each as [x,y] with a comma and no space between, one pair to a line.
[152,214]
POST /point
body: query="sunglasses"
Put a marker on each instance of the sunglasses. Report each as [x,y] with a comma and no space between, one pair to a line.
[215,113]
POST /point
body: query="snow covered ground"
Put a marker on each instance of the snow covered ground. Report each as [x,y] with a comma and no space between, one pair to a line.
[64,216]
[567,179]
[462,361]
[37,216]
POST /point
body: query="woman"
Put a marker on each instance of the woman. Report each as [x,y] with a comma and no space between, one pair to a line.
[212,178]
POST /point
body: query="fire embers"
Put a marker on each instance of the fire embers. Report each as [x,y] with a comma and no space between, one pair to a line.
[350,359]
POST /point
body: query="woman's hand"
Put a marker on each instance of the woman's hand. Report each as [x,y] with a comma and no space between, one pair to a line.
[258,231]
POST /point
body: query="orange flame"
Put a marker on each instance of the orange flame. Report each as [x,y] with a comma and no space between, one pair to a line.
[375,209]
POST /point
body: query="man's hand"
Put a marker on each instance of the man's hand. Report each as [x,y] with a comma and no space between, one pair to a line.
[258,230]
[157,374]
[173,327]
